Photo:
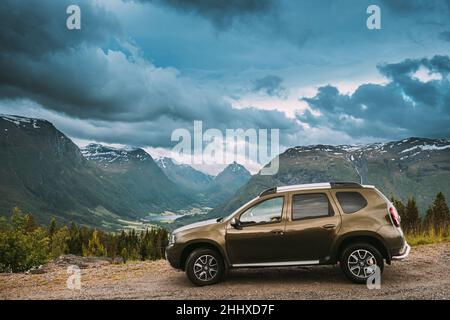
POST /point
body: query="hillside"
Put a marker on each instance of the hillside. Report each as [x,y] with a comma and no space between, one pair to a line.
[205,189]
[412,167]
[42,171]
[136,171]
[184,175]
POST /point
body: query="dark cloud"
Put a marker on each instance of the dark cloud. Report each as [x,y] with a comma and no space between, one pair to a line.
[220,12]
[405,106]
[119,94]
[271,85]
[36,29]
[445,35]
[408,6]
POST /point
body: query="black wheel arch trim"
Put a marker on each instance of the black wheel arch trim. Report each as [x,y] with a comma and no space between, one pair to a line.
[361,236]
[199,243]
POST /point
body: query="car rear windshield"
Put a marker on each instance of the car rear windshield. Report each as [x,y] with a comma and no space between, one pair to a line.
[351,202]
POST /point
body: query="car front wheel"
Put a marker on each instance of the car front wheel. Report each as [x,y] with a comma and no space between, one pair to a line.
[205,267]
[359,262]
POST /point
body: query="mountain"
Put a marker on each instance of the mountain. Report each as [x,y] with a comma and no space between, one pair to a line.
[136,171]
[43,172]
[416,167]
[227,182]
[205,189]
[184,175]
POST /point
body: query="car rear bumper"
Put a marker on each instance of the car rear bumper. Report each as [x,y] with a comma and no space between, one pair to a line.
[403,253]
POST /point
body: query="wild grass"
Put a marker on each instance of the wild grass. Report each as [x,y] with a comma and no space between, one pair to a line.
[428,236]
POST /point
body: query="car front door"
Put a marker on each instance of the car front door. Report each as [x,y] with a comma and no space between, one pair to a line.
[259,236]
[312,227]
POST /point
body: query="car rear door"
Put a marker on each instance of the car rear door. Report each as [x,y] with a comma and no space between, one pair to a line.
[312,226]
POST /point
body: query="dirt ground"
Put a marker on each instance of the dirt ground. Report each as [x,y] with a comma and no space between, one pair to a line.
[425,274]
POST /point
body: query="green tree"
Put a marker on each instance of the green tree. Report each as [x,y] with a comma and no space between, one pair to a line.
[146,245]
[124,254]
[438,215]
[411,221]
[75,244]
[52,228]
[59,243]
[22,246]
[95,247]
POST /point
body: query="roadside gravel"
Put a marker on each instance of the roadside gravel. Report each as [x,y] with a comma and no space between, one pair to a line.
[425,274]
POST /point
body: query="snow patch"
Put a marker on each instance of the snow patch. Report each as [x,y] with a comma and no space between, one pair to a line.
[426,147]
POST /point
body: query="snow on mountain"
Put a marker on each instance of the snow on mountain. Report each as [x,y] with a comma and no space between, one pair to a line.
[105,155]
[23,121]
[410,147]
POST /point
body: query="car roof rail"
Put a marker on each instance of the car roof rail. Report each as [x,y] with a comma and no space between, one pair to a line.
[344,184]
[268,191]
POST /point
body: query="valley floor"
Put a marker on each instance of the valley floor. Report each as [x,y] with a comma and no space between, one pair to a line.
[424,275]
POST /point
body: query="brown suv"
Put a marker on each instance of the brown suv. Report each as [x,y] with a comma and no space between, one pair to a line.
[311,224]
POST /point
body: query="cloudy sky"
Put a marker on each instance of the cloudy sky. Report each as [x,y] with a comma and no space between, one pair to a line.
[139,69]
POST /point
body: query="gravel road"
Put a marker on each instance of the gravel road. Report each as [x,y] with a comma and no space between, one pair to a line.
[425,274]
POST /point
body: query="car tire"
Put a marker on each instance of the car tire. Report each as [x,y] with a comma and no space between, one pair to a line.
[205,267]
[357,261]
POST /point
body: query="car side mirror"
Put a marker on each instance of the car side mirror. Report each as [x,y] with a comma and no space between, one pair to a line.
[235,223]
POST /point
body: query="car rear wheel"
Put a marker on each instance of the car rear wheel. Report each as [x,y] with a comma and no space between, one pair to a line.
[205,267]
[359,261]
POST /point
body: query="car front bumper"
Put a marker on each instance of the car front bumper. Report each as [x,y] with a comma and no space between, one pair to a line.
[173,256]
[403,253]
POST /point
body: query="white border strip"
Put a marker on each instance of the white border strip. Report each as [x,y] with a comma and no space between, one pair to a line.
[276,264]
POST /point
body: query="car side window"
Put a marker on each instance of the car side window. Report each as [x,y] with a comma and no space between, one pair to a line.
[264,212]
[311,205]
[351,202]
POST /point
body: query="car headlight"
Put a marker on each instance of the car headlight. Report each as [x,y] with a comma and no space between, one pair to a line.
[172,238]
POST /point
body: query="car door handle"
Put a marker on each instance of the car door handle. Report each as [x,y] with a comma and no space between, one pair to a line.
[278,232]
[329,226]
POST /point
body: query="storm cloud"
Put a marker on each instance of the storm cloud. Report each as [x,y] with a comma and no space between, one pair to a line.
[220,13]
[271,85]
[78,75]
[407,105]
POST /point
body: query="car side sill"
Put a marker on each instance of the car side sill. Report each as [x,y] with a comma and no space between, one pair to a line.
[275,264]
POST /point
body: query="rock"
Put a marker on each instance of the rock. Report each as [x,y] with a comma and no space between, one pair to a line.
[81,262]
[37,270]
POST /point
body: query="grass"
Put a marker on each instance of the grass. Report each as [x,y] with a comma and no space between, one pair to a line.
[429,236]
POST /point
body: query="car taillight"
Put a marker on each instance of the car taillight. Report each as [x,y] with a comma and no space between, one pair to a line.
[394,216]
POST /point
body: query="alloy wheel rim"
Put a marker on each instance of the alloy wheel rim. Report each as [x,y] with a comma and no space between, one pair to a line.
[205,268]
[361,263]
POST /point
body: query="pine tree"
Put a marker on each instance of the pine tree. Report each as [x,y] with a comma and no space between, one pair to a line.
[75,245]
[438,215]
[52,228]
[145,245]
[124,254]
[411,222]
[59,242]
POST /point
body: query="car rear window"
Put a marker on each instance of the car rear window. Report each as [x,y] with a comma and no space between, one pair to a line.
[351,202]
[311,205]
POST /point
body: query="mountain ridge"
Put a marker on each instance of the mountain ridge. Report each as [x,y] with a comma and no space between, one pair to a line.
[418,167]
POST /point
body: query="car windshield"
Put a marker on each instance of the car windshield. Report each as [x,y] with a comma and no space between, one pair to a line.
[229,217]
